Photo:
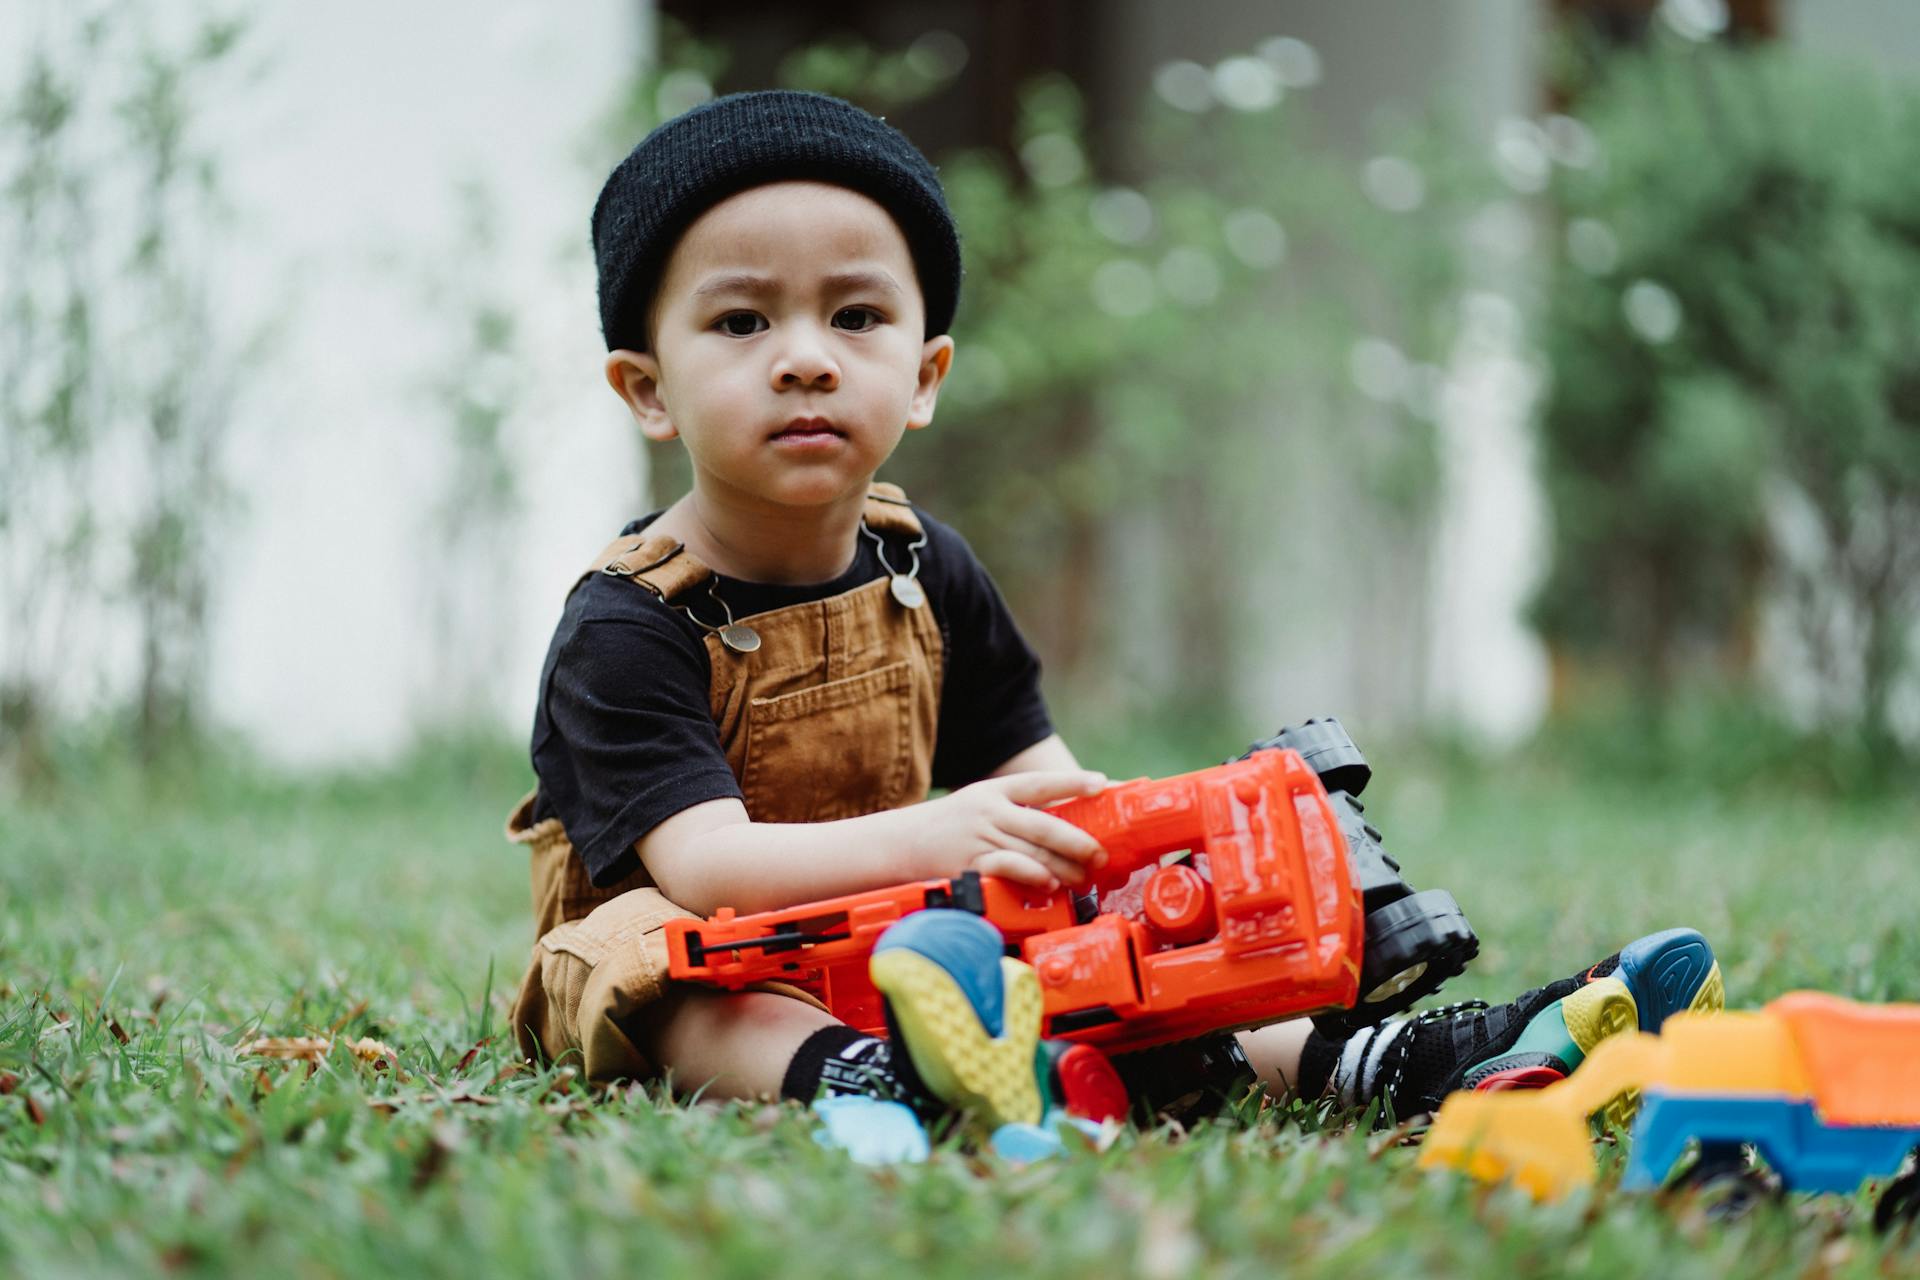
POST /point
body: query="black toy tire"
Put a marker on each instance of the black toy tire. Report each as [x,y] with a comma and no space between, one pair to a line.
[1731,1186]
[1899,1203]
[1422,929]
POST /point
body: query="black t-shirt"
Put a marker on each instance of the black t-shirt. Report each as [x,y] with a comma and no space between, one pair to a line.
[623,737]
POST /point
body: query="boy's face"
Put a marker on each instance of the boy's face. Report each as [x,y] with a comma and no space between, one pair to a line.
[787,349]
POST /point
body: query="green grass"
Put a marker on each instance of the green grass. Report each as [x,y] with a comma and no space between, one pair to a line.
[224,907]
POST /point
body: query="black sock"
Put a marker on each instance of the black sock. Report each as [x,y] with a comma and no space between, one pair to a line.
[840,1060]
[1318,1056]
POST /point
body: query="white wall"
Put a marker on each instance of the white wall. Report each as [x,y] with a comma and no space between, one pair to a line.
[343,162]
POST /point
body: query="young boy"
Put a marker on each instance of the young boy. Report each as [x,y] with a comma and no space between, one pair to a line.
[750,693]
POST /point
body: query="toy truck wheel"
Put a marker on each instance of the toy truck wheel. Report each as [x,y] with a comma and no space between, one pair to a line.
[1727,1184]
[1413,946]
[1899,1204]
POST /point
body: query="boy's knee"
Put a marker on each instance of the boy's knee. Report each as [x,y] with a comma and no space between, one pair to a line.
[598,988]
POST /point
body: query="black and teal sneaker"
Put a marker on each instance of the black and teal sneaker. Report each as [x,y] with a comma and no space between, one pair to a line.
[968,1016]
[1540,1037]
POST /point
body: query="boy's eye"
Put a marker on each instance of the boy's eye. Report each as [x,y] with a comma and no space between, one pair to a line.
[858,319]
[742,324]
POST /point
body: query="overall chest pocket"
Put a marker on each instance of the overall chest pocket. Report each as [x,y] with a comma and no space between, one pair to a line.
[835,750]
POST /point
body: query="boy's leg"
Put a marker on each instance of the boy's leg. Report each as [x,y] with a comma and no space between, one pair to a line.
[1274,1054]
[730,1044]
[757,1044]
[1538,1038]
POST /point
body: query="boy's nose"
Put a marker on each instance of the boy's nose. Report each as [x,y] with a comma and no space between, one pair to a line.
[804,361]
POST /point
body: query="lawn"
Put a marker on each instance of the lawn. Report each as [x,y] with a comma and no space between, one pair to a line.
[146,936]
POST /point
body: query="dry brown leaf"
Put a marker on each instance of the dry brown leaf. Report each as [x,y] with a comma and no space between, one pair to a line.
[313,1050]
[368,1050]
[35,1112]
[8,1083]
[306,1048]
[113,1025]
[466,1059]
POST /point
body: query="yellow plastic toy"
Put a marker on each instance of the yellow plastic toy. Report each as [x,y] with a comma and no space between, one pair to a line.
[1827,1089]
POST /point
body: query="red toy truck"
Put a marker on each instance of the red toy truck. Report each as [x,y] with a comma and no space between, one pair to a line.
[1248,904]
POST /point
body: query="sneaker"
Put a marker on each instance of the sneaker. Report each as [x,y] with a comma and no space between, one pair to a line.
[1542,1036]
[967,1014]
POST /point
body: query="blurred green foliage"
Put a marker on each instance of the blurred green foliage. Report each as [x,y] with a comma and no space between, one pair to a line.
[1734,420]
[117,386]
[1153,355]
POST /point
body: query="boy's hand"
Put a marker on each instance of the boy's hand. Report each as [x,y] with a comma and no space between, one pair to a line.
[993,827]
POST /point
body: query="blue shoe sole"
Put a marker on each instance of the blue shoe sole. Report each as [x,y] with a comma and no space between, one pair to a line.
[1670,972]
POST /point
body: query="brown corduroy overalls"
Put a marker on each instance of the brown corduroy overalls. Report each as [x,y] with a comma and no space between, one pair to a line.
[832,717]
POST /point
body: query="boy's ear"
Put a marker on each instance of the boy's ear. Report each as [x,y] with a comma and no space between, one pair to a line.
[635,378]
[936,357]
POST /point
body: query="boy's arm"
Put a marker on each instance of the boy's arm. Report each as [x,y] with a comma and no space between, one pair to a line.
[1048,753]
[711,855]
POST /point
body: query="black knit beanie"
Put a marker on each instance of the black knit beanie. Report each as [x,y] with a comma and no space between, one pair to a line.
[718,149]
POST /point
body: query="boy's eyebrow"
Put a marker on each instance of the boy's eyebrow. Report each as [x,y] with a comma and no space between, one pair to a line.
[748,282]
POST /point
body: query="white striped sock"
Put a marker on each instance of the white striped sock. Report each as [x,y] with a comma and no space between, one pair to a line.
[1357,1074]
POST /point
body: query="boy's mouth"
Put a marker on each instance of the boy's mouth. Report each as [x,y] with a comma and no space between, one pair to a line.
[808,429]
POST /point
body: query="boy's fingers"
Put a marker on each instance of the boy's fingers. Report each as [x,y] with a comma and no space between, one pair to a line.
[1063,869]
[1057,835]
[1015,866]
[1047,785]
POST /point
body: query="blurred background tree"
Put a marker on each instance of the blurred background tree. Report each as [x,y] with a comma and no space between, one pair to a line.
[1146,314]
[1214,400]
[1731,444]
[478,392]
[117,387]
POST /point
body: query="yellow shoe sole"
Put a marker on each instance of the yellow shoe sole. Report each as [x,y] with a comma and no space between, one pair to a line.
[1605,1007]
[992,1078]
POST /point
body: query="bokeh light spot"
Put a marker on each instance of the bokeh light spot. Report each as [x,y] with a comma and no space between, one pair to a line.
[1695,19]
[1122,215]
[1571,143]
[681,90]
[1520,154]
[1190,276]
[1296,61]
[1394,184]
[1247,83]
[1651,310]
[1378,369]
[1123,287]
[1053,159]
[1255,237]
[938,55]
[1185,85]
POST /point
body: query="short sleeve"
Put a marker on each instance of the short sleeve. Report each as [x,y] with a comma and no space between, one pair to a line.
[990,703]
[624,738]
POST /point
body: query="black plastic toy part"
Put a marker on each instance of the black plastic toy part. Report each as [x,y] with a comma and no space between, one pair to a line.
[1727,1183]
[1900,1203]
[1415,942]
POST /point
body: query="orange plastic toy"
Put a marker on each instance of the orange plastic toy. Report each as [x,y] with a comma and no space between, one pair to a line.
[1826,1089]
[1277,931]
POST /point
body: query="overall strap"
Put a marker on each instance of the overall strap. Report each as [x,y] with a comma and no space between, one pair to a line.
[887,510]
[664,566]
[661,564]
